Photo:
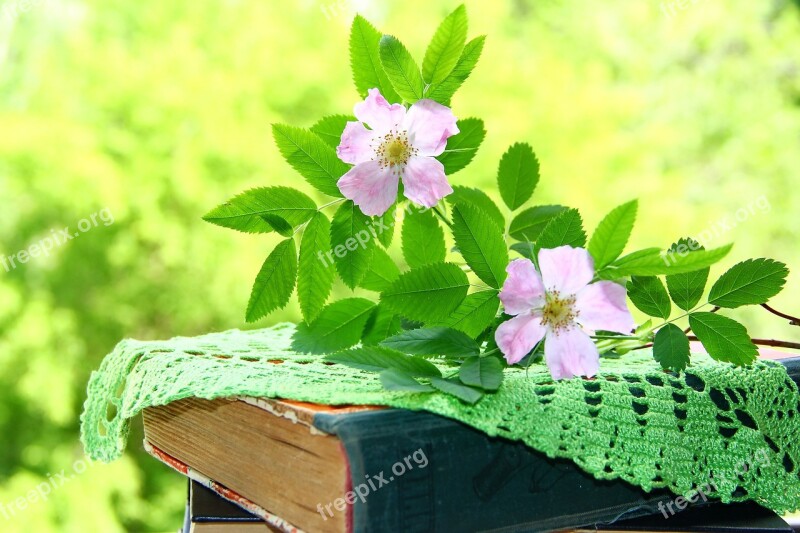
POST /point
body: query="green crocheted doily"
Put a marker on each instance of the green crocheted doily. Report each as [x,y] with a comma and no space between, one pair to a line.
[736,428]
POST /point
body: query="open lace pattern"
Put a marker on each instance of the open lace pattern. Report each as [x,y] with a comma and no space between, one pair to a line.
[732,433]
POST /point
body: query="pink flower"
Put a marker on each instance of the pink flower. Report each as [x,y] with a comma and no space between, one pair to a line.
[400,144]
[561,305]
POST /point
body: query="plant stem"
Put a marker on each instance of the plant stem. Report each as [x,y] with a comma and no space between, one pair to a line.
[441,215]
[320,208]
[794,321]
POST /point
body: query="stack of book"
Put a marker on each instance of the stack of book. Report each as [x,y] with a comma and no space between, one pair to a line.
[289,466]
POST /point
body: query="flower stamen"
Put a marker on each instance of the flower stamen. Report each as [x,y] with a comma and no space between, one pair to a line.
[394,149]
[559,311]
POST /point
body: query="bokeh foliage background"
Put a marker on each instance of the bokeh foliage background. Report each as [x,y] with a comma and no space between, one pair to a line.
[159,111]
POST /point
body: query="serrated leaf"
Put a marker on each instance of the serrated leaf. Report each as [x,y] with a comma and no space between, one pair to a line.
[481,243]
[317,271]
[457,389]
[378,359]
[309,155]
[649,295]
[330,128]
[483,372]
[382,272]
[446,46]
[652,262]
[612,234]
[433,341]
[478,199]
[366,62]
[338,326]
[751,282]
[382,324]
[429,293]
[396,380]
[423,239]
[723,338]
[275,281]
[671,348]
[518,175]
[401,69]
[444,91]
[565,229]
[686,289]
[352,243]
[246,211]
[461,148]
[529,224]
[475,314]
[281,226]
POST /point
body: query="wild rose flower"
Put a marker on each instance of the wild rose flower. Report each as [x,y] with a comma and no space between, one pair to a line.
[561,306]
[399,144]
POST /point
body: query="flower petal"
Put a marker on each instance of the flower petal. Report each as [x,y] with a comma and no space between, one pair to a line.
[429,124]
[356,145]
[371,187]
[518,336]
[566,269]
[424,181]
[376,113]
[603,306]
[523,289]
[571,353]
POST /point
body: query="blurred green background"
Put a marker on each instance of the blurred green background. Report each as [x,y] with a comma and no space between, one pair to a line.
[156,111]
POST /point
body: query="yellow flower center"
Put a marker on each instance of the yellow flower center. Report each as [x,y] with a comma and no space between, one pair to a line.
[394,149]
[559,311]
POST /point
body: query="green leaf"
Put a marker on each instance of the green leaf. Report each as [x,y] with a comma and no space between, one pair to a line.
[338,326]
[378,359]
[751,282]
[686,289]
[382,272]
[396,380]
[433,341]
[423,239]
[365,60]
[475,314]
[612,234]
[649,295]
[723,338]
[444,91]
[275,282]
[317,271]
[525,249]
[478,199]
[461,148]
[280,225]
[429,293]
[384,226]
[483,372]
[565,229]
[246,211]
[445,48]
[455,388]
[330,128]
[671,348]
[312,157]
[481,243]
[518,175]
[529,224]
[401,69]
[382,324]
[352,243]
[652,262]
